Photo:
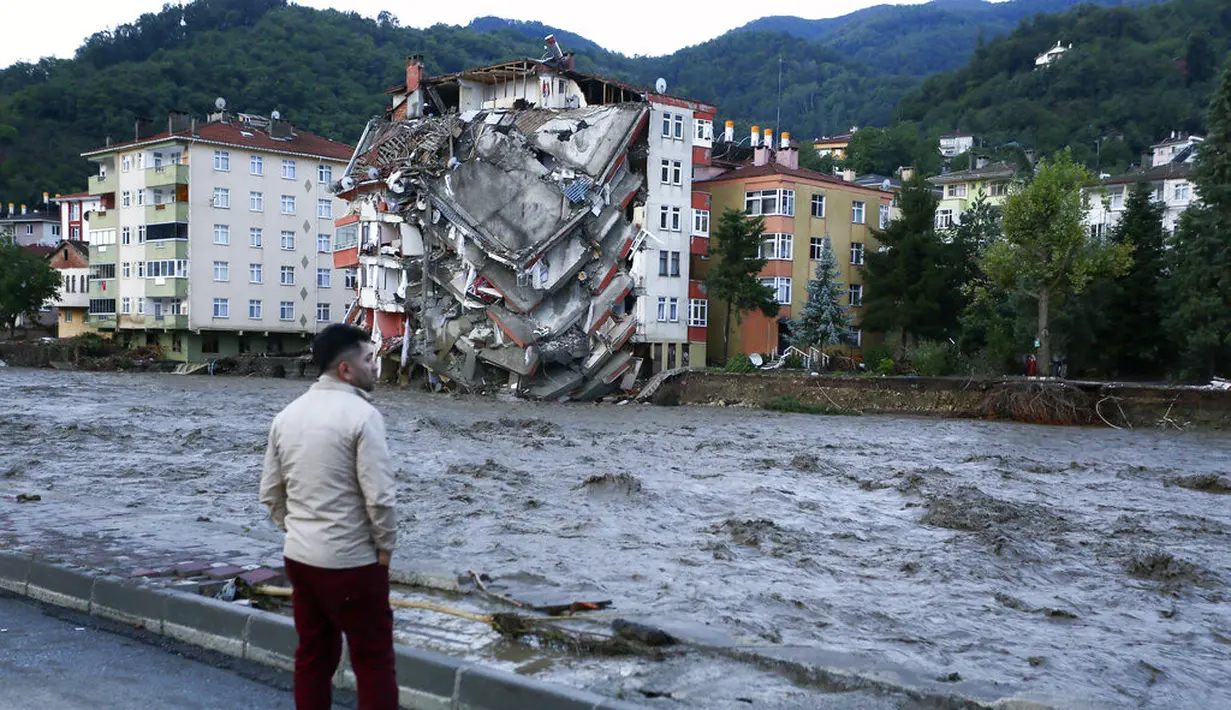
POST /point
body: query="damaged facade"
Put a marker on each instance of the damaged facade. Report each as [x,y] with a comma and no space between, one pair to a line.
[527,224]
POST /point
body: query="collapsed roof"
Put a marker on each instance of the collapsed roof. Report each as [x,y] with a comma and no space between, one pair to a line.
[511,234]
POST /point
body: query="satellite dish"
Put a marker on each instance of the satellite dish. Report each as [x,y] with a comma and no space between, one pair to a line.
[220,103]
[756,359]
[661,85]
[885,185]
[276,115]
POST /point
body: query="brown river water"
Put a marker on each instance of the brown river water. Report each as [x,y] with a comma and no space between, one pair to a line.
[1082,567]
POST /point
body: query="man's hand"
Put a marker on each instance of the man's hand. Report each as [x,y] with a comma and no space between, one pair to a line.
[383,557]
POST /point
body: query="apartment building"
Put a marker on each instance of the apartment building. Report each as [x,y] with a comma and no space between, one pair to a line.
[30,228]
[72,259]
[1167,172]
[215,238]
[962,188]
[74,211]
[802,209]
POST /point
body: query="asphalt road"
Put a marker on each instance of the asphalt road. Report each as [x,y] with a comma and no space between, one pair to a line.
[55,659]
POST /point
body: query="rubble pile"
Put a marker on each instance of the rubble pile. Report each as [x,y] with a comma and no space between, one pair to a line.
[505,237]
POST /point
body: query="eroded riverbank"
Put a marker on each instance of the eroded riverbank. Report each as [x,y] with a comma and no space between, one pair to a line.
[1064,564]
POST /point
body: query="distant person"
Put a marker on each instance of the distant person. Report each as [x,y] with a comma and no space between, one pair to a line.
[328,483]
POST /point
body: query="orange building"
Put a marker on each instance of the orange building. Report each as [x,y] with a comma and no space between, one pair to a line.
[802,208]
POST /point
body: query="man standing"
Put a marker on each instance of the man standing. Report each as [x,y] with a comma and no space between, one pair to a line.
[328,482]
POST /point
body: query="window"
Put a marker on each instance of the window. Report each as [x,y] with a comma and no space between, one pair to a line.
[140,306]
[816,247]
[288,241]
[126,234]
[666,125]
[222,160]
[1117,200]
[679,126]
[1097,231]
[286,310]
[222,271]
[350,278]
[256,165]
[675,263]
[957,190]
[662,309]
[324,209]
[322,313]
[222,308]
[664,218]
[140,161]
[854,336]
[222,234]
[102,271]
[288,204]
[698,312]
[126,164]
[777,247]
[126,270]
[141,234]
[323,243]
[999,189]
[884,216]
[676,226]
[666,172]
[222,198]
[944,219]
[322,278]
[255,275]
[166,268]
[677,172]
[126,305]
[140,269]
[255,237]
[673,309]
[857,213]
[74,232]
[287,277]
[254,309]
[701,222]
[256,201]
[68,316]
[324,174]
[770,202]
[703,129]
[1182,192]
[102,306]
[126,199]
[782,288]
[288,169]
[662,262]
[55,230]
[856,253]
[856,295]
[140,195]
[818,206]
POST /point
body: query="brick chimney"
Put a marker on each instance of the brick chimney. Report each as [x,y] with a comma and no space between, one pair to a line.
[848,175]
[787,156]
[414,72]
[908,174]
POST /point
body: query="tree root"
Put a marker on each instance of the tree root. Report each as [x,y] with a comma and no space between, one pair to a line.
[1039,403]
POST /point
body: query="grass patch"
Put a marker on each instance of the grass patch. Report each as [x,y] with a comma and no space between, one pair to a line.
[790,403]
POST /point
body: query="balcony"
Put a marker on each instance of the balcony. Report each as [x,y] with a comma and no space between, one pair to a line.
[164,175]
[100,185]
[159,250]
[163,287]
[105,254]
[105,220]
[102,288]
[101,322]
[166,212]
[167,321]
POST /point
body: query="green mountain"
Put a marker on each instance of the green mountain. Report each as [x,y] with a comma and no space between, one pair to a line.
[918,40]
[1132,76]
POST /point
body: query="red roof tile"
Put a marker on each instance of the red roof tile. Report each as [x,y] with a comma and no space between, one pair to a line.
[239,136]
[776,169]
[74,196]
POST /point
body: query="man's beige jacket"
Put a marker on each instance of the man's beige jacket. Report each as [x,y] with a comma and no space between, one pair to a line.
[328,479]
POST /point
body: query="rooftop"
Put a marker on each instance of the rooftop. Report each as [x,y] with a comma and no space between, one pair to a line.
[1168,171]
[989,172]
[235,134]
[773,168]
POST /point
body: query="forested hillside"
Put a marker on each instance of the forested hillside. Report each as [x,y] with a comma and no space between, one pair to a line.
[1133,75]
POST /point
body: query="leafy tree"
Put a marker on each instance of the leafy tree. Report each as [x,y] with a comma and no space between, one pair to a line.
[1046,251]
[27,283]
[884,150]
[812,160]
[736,242]
[914,283]
[824,319]
[978,227]
[1199,58]
[1200,287]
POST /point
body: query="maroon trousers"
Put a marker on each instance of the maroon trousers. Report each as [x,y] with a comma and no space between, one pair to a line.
[332,602]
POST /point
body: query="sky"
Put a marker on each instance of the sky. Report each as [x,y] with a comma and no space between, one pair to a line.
[650,27]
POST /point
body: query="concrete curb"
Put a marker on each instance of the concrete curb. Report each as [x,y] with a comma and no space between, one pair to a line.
[426,680]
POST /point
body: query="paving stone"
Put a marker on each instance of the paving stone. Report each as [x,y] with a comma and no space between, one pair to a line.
[224,572]
[190,569]
[263,575]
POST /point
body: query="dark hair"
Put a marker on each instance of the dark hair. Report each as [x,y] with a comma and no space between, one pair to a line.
[333,342]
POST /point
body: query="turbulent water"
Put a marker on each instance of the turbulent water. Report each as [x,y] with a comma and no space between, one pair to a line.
[1085,566]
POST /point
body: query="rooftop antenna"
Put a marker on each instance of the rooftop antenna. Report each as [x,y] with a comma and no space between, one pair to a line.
[778,122]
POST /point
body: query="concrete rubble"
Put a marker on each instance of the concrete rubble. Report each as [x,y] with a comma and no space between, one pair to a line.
[504,239]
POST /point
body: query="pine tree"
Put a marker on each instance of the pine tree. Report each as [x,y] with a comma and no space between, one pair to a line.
[736,242]
[1135,341]
[1200,287]
[824,319]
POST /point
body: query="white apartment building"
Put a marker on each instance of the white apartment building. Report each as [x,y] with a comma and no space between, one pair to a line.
[1169,178]
[216,239]
[954,144]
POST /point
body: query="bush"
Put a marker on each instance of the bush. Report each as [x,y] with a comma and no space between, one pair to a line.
[874,354]
[739,363]
[793,362]
[885,366]
[931,359]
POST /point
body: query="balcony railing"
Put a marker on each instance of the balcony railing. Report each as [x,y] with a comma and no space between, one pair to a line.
[100,185]
[167,212]
[157,250]
[109,219]
[164,175]
[166,287]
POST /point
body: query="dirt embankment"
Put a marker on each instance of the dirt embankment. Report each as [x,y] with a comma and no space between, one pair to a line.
[99,355]
[1124,406]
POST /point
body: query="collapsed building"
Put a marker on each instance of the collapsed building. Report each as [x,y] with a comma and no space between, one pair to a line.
[497,228]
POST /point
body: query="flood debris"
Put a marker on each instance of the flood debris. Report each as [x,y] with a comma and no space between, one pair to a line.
[1158,565]
[1038,403]
[495,245]
[1207,482]
[623,483]
[968,509]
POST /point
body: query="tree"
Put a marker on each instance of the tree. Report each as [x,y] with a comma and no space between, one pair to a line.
[1046,251]
[1199,58]
[884,150]
[1134,340]
[824,319]
[27,283]
[1200,288]
[914,282]
[812,160]
[736,242]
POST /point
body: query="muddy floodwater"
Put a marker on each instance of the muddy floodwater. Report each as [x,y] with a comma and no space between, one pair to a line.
[1085,567]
